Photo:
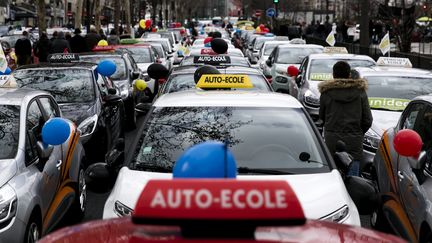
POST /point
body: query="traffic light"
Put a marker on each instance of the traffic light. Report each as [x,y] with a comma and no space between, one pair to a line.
[275,1]
[425,7]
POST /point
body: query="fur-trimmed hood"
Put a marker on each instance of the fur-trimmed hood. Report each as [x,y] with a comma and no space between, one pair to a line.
[360,84]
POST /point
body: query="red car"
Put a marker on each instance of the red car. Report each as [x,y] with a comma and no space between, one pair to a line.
[221,210]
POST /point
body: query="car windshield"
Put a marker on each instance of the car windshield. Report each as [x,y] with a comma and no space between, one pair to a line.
[394,93]
[186,81]
[9,131]
[259,42]
[141,55]
[165,44]
[295,55]
[269,48]
[120,73]
[322,69]
[66,85]
[159,51]
[259,138]
[235,61]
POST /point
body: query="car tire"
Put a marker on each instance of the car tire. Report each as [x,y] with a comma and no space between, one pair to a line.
[78,207]
[33,230]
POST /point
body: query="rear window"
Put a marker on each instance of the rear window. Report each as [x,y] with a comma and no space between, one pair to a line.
[9,131]
[120,73]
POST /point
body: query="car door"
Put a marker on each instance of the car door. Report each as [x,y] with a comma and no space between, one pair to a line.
[411,191]
[112,113]
[50,169]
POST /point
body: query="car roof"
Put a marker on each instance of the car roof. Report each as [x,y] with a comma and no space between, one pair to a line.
[231,69]
[340,56]
[198,98]
[87,65]
[276,42]
[427,98]
[299,46]
[393,71]
[15,96]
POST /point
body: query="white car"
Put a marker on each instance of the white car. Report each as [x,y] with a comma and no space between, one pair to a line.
[264,54]
[232,52]
[284,56]
[269,134]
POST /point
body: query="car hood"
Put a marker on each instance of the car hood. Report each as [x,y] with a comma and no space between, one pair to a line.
[77,112]
[319,194]
[383,120]
[313,87]
[283,67]
[8,170]
[143,66]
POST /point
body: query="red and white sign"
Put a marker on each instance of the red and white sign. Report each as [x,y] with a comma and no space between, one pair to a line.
[208,52]
[218,199]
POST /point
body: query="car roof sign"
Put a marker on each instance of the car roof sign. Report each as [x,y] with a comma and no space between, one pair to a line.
[394,62]
[335,50]
[63,57]
[7,81]
[208,51]
[211,60]
[103,48]
[223,81]
[264,202]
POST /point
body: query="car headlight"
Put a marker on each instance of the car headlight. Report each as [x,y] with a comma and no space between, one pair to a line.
[311,99]
[122,210]
[280,79]
[337,216]
[88,126]
[8,204]
[371,140]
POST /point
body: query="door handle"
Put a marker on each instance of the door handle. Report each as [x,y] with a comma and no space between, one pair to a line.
[400,175]
[59,163]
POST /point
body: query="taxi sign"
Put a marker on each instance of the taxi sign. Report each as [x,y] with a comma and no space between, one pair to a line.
[63,57]
[7,81]
[128,41]
[168,202]
[222,81]
[208,51]
[212,60]
[394,62]
[103,48]
[335,50]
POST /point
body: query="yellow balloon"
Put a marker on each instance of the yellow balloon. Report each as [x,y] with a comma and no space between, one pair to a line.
[142,23]
[102,43]
[140,84]
[258,29]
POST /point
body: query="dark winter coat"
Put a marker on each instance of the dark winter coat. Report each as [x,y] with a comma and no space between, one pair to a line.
[345,111]
[78,44]
[60,45]
[41,49]
[92,39]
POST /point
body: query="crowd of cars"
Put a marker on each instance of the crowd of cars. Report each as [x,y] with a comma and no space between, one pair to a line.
[263,105]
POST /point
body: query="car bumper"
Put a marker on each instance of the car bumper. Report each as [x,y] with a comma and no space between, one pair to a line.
[13,232]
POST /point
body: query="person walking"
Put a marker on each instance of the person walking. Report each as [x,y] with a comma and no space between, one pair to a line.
[77,42]
[92,38]
[23,50]
[42,47]
[60,45]
[345,111]
[113,38]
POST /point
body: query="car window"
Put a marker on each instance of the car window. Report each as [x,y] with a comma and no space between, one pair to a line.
[258,137]
[411,117]
[49,107]
[322,69]
[120,73]
[295,55]
[9,130]
[423,127]
[66,85]
[34,123]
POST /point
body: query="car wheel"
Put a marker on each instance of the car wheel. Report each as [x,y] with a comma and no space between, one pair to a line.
[33,230]
[79,205]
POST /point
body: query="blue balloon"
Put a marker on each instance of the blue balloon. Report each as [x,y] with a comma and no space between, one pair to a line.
[55,131]
[6,72]
[208,44]
[209,159]
[106,68]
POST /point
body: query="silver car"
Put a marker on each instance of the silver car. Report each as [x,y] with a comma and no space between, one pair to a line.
[39,183]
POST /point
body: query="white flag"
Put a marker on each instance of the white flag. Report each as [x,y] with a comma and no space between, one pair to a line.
[331,40]
[3,61]
[384,45]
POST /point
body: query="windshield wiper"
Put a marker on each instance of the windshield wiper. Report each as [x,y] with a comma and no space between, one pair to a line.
[263,171]
[152,167]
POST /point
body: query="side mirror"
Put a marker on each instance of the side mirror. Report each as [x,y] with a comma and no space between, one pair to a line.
[364,194]
[298,80]
[112,99]
[293,71]
[99,178]
[418,163]
[269,62]
[44,151]
[157,71]
[253,61]
[112,91]
[143,107]
[135,75]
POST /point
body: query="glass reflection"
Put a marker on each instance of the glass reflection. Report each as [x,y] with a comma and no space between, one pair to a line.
[9,131]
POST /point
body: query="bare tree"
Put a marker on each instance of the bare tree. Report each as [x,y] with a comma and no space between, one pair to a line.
[97,11]
[41,16]
[117,12]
